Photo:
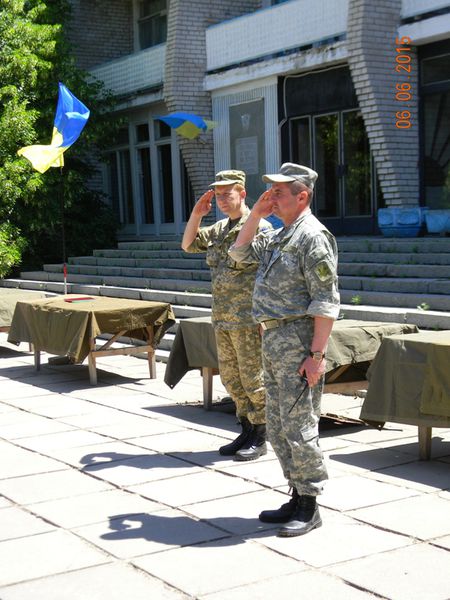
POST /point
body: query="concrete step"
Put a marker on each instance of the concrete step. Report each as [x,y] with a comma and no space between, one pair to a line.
[397,258]
[395,245]
[396,300]
[179,285]
[145,254]
[389,307]
[162,261]
[437,289]
[151,245]
[105,271]
[406,285]
[394,271]
[196,270]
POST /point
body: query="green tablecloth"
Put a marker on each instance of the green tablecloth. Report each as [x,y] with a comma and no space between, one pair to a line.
[60,327]
[410,381]
[351,342]
[8,299]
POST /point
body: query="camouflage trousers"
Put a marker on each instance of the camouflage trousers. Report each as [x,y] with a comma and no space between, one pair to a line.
[240,367]
[293,410]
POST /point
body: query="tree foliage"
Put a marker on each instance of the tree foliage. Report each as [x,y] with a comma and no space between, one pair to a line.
[34,56]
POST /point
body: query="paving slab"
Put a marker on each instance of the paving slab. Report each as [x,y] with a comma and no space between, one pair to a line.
[238,514]
[417,571]
[105,582]
[45,554]
[51,443]
[132,470]
[128,535]
[188,489]
[17,461]
[352,491]
[361,457]
[424,517]
[424,476]
[105,454]
[93,508]
[182,440]
[18,523]
[138,502]
[50,486]
[267,472]
[339,539]
[219,560]
[23,425]
[322,586]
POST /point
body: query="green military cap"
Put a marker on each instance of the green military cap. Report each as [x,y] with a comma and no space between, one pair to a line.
[229,177]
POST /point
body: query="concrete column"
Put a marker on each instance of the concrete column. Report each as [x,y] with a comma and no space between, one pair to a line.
[371,33]
[185,71]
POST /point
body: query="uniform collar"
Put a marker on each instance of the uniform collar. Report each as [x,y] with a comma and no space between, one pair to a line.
[238,222]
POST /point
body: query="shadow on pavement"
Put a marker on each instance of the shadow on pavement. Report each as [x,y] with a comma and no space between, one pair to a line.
[176,530]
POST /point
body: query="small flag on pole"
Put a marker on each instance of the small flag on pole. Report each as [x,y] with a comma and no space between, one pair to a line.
[70,118]
[187,125]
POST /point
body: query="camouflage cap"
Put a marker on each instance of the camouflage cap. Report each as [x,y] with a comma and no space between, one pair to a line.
[229,177]
[291,172]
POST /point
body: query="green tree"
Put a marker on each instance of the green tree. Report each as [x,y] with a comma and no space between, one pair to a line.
[34,56]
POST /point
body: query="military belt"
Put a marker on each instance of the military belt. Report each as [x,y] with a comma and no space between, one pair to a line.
[274,323]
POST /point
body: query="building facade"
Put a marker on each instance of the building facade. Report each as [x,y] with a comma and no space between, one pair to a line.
[359,90]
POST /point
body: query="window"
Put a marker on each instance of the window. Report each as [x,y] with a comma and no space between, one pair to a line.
[152,23]
[435,124]
[144,174]
[120,180]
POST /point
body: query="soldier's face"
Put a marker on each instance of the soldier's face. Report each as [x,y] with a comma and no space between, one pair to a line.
[229,199]
[286,205]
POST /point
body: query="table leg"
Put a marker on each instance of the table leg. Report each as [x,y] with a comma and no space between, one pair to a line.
[151,363]
[207,380]
[92,363]
[424,442]
[37,360]
[151,355]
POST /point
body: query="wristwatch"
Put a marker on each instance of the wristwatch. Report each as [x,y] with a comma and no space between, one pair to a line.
[317,356]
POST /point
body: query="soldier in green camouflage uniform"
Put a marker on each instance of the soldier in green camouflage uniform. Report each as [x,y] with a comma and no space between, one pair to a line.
[296,300]
[237,335]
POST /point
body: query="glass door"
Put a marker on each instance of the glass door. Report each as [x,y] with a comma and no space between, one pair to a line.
[337,147]
[327,201]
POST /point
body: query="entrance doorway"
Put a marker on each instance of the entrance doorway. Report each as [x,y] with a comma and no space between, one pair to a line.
[335,144]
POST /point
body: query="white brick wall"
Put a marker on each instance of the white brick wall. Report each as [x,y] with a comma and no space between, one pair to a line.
[371,33]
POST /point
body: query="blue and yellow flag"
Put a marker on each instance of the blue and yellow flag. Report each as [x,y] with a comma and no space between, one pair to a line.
[71,116]
[186,124]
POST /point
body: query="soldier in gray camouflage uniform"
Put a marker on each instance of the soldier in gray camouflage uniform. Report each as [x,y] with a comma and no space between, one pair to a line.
[237,336]
[296,300]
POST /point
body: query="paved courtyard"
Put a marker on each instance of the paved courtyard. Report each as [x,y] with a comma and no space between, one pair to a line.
[117,491]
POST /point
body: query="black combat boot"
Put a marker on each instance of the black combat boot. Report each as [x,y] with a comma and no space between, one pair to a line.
[255,446]
[231,448]
[282,514]
[305,518]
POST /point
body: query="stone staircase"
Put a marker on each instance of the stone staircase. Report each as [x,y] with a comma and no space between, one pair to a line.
[401,279]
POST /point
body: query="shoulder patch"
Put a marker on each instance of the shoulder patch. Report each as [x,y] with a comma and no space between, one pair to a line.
[323,271]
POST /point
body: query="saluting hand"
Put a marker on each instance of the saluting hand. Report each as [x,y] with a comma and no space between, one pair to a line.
[263,207]
[203,204]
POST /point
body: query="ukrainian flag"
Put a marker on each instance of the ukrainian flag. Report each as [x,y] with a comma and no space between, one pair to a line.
[71,116]
[186,124]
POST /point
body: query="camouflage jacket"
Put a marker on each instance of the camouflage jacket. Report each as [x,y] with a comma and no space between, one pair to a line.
[232,282]
[297,273]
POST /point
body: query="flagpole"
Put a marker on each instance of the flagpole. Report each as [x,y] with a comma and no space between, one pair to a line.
[63,231]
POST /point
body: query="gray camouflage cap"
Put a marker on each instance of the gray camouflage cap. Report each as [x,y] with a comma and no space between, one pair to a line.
[291,172]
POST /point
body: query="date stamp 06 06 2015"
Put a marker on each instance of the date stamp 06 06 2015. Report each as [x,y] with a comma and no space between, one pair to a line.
[403,88]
